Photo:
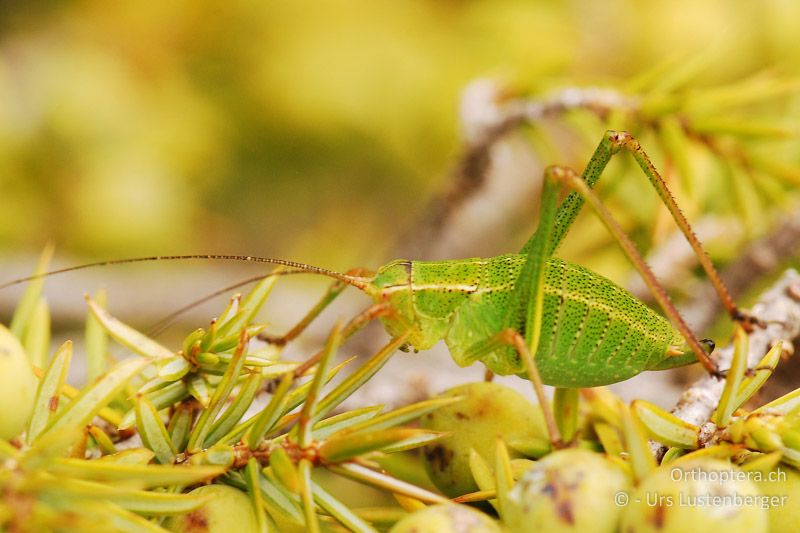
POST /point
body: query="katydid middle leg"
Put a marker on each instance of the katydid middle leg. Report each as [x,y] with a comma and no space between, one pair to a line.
[526,309]
[355,324]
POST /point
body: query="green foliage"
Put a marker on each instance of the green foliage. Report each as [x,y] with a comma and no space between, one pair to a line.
[68,461]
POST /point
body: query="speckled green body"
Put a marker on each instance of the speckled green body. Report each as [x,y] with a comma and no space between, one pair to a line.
[593,332]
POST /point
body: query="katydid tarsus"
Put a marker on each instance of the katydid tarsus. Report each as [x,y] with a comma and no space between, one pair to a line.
[581,329]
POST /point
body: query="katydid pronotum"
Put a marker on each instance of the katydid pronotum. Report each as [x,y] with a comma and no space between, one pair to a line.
[581,329]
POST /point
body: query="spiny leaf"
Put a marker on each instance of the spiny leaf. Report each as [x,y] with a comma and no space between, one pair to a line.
[604,405]
[48,394]
[342,448]
[36,339]
[760,434]
[255,299]
[142,476]
[180,423]
[33,292]
[565,408]
[307,496]
[229,342]
[161,398]
[299,394]
[97,395]
[118,518]
[741,127]
[102,440]
[382,517]
[340,511]
[483,475]
[310,404]
[722,451]
[730,95]
[421,438]
[665,427]
[132,456]
[680,73]
[748,201]
[334,424]
[530,446]
[230,310]
[69,392]
[278,500]
[127,336]
[763,371]
[293,399]
[355,380]
[219,454]
[232,415]
[174,369]
[278,368]
[365,475]
[284,469]
[403,414]
[642,461]
[153,432]
[503,473]
[198,388]
[252,476]
[139,501]
[96,341]
[678,146]
[727,403]
[221,393]
[782,405]
[264,421]
[166,396]
[153,384]
[672,454]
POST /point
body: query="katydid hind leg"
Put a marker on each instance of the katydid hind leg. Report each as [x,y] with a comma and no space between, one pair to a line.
[612,143]
[570,178]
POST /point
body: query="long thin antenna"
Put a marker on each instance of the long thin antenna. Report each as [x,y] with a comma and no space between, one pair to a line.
[159,327]
[356,281]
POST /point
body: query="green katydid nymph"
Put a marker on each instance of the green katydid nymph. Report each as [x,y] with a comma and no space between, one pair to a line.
[581,329]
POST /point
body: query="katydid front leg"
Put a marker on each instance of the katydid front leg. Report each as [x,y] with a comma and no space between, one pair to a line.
[334,290]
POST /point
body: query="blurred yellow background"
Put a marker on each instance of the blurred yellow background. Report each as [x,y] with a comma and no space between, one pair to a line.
[310,130]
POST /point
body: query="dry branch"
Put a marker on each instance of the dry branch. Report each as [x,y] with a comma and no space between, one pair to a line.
[779,307]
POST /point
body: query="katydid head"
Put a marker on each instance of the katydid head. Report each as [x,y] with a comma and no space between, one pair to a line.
[393,274]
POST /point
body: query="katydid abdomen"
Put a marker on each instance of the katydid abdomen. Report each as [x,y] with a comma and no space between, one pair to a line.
[593,331]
